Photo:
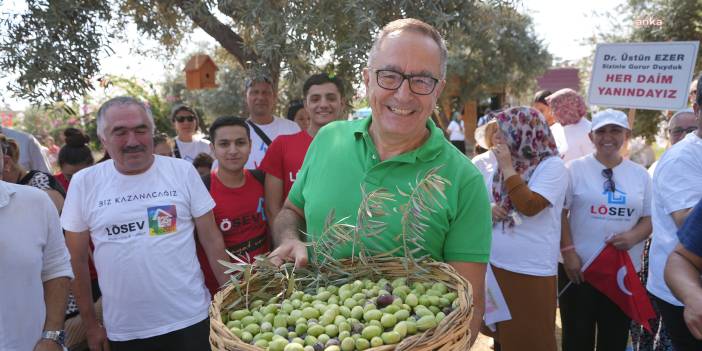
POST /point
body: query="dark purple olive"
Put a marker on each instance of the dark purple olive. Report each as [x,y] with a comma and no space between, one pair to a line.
[384,300]
[447,310]
[356,328]
[291,328]
[332,342]
[318,346]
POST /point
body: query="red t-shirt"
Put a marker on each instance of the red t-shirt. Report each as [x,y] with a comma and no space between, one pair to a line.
[239,215]
[61,179]
[284,158]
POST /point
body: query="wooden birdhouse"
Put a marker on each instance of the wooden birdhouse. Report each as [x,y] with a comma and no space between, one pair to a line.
[200,73]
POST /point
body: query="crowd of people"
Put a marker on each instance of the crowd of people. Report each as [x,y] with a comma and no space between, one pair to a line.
[124,253]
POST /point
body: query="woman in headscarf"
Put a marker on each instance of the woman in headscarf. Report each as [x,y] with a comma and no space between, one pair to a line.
[528,189]
[608,202]
[571,130]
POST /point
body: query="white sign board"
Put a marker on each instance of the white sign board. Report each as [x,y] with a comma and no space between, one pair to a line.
[653,76]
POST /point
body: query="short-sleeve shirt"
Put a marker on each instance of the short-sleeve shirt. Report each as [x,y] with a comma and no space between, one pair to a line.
[240,217]
[142,227]
[690,234]
[677,185]
[279,126]
[284,158]
[532,246]
[343,160]
[32,252]
[189,150]
[596,213]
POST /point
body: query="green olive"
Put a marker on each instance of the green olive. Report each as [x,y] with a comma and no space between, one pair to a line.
[371,331]
[362,344]
[376,341]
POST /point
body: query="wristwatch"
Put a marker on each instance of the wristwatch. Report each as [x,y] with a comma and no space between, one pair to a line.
[58,336]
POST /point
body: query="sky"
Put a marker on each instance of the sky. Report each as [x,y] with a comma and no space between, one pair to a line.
[562,25]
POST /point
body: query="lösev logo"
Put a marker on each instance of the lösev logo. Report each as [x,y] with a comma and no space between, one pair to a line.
[162,219]
[617,197]
[125,230]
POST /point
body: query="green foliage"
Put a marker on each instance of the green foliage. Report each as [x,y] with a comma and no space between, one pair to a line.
[54,47]
[491,43]
[681,21]
[50,120]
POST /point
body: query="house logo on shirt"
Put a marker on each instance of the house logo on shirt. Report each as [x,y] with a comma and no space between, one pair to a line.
[617,197]
[615,207]
[162,219]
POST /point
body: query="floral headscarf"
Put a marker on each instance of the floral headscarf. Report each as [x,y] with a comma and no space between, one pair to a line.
[530,141]
[567,106]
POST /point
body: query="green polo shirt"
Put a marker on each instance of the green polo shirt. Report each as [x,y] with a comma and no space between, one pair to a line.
[343,157]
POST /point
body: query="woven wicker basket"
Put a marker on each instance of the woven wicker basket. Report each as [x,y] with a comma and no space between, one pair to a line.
[452,333]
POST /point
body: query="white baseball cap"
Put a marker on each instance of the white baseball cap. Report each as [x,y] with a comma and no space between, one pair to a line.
[609,116]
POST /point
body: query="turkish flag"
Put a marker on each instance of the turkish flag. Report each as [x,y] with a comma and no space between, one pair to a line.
[612,273]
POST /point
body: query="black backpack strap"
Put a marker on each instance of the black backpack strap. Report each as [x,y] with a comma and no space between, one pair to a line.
[260,133]
[259,175]
[176,151]
[207,179]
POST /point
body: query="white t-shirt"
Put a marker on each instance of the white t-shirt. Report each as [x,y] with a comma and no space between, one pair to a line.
[572,140]
[32,251]
[677,185]
[456,131]
[279,126]
[142,227]
[595,214]
[188,151]
[532,247]
[487,165]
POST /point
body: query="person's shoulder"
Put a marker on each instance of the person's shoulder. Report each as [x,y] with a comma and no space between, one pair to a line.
[340,127]
[203,141]
[634,167]
[582,161]
[552,163]
[285,123]
[26,192]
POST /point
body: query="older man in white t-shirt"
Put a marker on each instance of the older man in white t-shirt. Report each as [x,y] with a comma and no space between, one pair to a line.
[677,187]
[34,270]
[260,101]
[141,210]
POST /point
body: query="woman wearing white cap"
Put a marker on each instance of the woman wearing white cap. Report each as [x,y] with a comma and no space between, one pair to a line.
[608,201]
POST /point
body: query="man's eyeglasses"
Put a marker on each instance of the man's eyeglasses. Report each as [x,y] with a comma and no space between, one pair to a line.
[418,84]
[182,119]
[609,182]
[680,130]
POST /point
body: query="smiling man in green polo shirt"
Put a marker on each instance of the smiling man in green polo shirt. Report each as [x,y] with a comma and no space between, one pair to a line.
[394,148]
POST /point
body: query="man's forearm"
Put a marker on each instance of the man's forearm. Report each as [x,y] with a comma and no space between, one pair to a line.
[215,252]
[478,313]
[682,277]
[83,291]
[286,226]
[55,298]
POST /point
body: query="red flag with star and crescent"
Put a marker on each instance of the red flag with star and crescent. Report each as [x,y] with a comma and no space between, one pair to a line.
[613,274]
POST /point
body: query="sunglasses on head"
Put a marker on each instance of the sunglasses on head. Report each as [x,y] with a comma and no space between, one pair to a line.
[182,119]
[609,182]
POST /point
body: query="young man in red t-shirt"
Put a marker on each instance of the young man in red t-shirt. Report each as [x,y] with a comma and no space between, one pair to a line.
[324,104]
[238,196]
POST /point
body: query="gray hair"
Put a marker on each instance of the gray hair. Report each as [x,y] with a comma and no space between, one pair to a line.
[416,26]
[121,100]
